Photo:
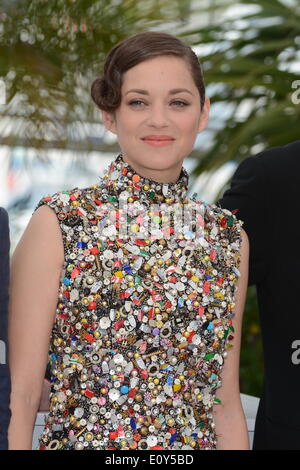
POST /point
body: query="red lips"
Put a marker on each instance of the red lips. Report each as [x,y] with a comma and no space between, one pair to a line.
[157,137]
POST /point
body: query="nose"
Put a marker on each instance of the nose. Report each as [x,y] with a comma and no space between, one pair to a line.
[158,116]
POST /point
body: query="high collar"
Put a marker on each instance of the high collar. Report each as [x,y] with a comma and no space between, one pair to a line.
[121,177]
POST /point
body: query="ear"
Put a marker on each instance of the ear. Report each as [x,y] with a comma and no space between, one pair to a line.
[204,115]
[109,122]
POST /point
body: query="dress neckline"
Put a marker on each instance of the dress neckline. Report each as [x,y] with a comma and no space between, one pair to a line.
[122,177]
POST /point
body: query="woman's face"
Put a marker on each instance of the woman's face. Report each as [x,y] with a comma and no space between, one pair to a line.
[151,106]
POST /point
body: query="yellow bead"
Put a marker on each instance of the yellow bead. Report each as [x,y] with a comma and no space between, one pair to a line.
[156,381]
[157,423]
[134,228]
[119,274]
[176,387]
[186,334]
[199,396]
[170,421]
[195,278]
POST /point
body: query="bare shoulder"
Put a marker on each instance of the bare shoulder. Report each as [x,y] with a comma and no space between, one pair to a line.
[42,236]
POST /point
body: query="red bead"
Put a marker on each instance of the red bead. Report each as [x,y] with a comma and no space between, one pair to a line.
[89,338]
[132,393]
[144,373]
[118,324]
[92,305]
[223,222]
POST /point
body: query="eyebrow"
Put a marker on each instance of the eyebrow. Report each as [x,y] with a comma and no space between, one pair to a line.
[171,92]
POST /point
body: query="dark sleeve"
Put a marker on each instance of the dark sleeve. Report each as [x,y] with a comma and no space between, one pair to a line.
[249,198]
[4,370]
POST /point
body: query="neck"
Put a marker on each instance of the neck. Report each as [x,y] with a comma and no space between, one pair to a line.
[122,177]
[156,176]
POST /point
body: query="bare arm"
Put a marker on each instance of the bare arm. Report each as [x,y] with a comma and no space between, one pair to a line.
[35,272]
[231,427]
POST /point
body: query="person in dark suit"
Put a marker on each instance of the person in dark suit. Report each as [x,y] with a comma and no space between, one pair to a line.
[265,189]
[4,371]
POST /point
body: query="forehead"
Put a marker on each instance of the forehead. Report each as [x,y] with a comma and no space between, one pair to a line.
[167,72]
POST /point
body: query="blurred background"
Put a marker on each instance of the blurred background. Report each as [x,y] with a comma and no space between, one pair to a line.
[51,135]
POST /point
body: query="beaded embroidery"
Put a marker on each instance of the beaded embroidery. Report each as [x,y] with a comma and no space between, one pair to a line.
[142,323]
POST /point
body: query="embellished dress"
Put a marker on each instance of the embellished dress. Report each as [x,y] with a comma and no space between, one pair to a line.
[144,315]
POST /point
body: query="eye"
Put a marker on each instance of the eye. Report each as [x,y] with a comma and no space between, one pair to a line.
[181,103]
[135,101]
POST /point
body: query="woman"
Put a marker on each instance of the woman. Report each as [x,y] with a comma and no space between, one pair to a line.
[143,315]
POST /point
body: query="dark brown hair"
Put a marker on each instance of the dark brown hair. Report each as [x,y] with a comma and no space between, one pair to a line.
[106,90]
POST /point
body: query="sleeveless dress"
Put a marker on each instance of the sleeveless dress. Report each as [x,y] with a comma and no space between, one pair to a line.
[144,315]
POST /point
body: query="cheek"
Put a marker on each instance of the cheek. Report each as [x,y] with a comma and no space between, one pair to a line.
[127,121]
[190,124]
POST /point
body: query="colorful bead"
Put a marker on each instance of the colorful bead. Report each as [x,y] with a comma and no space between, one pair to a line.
[142,324]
